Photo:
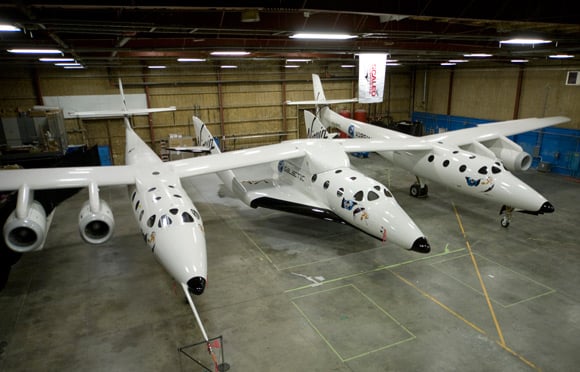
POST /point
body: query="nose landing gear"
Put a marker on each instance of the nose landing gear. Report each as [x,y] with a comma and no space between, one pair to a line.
[506,215]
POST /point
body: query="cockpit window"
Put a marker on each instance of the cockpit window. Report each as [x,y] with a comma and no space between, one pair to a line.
[482,170]
[359,196]
[164,221]
[174,211]
[186,217]
[194,212]
[377,187]
[372,195]
[339,192]
[495,170]
[387,193]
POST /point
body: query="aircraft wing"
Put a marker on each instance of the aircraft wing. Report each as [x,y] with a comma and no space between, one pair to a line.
[322,102]
[378,145]
[486,132]
[118,113]
[236,159]
[62,178]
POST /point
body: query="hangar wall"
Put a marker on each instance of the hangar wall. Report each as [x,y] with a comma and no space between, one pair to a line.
[244,107]
[498,94]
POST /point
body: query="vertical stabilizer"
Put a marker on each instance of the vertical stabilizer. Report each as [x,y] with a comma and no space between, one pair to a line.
[314,127]
[205,139]
[317,86]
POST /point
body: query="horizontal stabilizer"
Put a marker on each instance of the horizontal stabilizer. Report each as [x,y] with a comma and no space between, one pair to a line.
[118,113]
[322,102]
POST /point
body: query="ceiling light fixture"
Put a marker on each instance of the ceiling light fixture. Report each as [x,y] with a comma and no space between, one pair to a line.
[561,56]
[348,66]
[478,55]
[34,51]
[52,60]
[448,64]
[525,41]
[79,67]
[458,61]
[291,66]
[67,64]
[519,61]
[298,60]
[156,67]
[228,66]
[191,60]
[230,53]
[322,36]
[8,28]
[393,64]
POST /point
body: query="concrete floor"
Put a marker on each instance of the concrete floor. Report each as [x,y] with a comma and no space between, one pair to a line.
[378,307]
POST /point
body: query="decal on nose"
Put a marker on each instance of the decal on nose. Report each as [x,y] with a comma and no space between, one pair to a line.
[421,245]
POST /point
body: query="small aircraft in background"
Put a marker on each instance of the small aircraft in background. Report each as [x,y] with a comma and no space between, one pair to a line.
[475,161]
[317,181]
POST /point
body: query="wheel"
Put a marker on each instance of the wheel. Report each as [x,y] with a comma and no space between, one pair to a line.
[415,190]
[505,222]
[424,191]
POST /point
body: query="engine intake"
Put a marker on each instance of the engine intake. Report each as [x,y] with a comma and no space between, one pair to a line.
[26,234]
[511,154]
[96,227]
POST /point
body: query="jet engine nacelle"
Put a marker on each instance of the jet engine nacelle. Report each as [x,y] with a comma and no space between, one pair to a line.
[96,227]
[511,154]
[26,234]
[514,160]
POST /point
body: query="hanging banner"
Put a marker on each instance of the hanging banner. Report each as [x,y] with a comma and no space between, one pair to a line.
[371,77]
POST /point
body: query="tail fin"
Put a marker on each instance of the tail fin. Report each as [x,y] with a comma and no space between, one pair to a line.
[206,140]
[314,127]
[317,86]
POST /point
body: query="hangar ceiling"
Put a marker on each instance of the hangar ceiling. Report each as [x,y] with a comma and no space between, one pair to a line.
[141,33]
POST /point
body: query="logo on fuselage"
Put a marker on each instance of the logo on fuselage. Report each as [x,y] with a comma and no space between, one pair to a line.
[291,170]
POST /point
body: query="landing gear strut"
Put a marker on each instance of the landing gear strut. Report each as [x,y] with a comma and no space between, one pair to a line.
[506,215]
[419,189]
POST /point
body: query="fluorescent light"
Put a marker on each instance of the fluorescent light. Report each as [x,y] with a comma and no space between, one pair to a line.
[478,55]
[298,60]
[525,41]
[34,51]
[458,60]
[392,61]
[228,66]
[519,61]
[8,28]
[393,64]
[156,67]
[232,53]
[322,36]
[348,66]
[448,64]
[561,56]
[67,64]
[79,67]
[191,60]
[56,60]
[291,66]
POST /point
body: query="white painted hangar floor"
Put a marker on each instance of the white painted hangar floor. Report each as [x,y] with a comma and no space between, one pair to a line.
[290,293]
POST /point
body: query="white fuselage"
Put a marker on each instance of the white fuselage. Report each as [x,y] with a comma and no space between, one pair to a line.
[324,175]
[461,170]
[167,218]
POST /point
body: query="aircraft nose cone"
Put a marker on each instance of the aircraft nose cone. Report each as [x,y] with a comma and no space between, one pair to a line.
[547,207]
[196,285]
[421,245]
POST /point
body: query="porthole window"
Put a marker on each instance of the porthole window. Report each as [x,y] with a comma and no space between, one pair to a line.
[456,151]
[133,196]
[137,204]
[196,214]
[157,198]
[186,217]
[446,163]
[377,187]
[387,193]
[326,184]
[177,196]
[353,178]
[462,168]
[359,196]
[340,192]
[372,195]
[472,157]
[338,171]
[152,189]
[151,221]
[164,221]
[482,170]
[156,173]
[141,215]
[431,158]
[495,170]
[174,211]
[314,177]
[171,186]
